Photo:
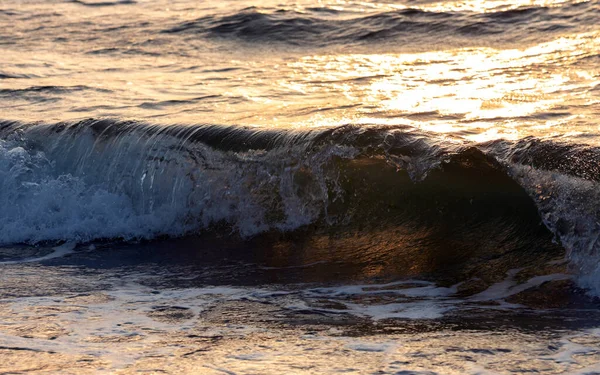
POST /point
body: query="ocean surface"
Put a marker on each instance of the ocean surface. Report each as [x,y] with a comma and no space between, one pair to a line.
[300,187]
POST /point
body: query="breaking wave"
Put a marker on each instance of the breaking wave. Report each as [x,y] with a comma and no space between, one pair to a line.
[108,179]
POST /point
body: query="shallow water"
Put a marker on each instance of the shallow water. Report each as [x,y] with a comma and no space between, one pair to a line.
[107,309]
[299,187]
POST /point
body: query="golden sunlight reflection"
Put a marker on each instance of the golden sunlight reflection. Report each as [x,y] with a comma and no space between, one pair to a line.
[477,93]
[461,91]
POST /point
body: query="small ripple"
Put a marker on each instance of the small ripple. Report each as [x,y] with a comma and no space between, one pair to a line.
[103,3]
[13,76]
[175,102]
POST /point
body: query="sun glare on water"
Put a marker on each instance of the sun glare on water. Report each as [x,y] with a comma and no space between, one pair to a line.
[461,91]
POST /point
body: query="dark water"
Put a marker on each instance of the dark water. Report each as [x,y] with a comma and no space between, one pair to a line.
[301,187]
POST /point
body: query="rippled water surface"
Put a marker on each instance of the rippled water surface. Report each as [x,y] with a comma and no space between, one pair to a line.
[478,70]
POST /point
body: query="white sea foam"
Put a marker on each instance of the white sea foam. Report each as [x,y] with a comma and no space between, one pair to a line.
[57,252]
[118,325]
[569,208]
[78,188]
[509,287]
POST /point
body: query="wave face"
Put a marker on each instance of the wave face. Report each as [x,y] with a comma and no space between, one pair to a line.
[328,26]
[105,179]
